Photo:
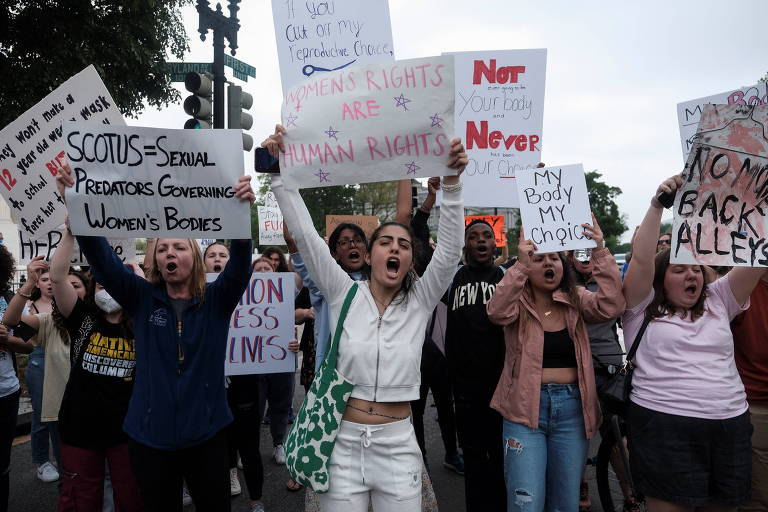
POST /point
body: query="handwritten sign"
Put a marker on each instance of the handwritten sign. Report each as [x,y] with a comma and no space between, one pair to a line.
[270,201]
[500,116]
[719,213]
[368,223]
[314,38]
[553,206]
[689,112]
[46,246]
[496,222]
[270,226]
[381,122]
[155,182]
[262,325]
[32,150]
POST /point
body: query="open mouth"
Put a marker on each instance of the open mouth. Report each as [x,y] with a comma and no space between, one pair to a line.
[482,249]
[393,266]
[354,255]
[217,268]
[691,290]
[549,274]
[170,267]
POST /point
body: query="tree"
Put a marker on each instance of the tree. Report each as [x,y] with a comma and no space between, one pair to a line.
[602,199]
[377,199]
[45,42]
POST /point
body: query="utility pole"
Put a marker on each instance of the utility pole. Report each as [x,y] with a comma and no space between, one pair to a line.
[223,27]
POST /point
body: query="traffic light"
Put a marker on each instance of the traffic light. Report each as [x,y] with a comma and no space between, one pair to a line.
[238,101]
[199,105]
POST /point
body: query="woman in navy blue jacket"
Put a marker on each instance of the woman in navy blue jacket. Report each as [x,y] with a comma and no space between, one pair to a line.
[179,406]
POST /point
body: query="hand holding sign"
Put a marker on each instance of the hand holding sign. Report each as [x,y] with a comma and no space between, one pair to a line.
[668,188]
[36,268]
[593,231]
[244,191]
[525,248]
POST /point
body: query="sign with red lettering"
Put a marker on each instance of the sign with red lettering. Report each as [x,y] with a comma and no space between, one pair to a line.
[262,325]
[32,149]
[499,115]
[380,122]
[719,213]
[689,112]
[496,222]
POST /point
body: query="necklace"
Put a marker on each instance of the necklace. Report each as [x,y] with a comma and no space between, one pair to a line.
[374,413]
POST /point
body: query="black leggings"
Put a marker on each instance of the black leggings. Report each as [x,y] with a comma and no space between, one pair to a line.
[9,410]
[244,433]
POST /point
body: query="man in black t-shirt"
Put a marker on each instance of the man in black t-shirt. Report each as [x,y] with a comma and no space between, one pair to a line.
[475,351]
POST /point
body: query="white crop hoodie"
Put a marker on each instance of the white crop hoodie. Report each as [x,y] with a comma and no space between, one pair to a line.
[381,355]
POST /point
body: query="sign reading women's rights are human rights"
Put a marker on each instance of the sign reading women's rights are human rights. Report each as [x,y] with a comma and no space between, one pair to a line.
[379,122]
[155,182]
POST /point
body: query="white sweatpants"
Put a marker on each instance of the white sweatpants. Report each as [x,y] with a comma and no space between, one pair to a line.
[380,461]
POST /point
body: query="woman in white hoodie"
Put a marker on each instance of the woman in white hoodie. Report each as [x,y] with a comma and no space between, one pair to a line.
[376,454]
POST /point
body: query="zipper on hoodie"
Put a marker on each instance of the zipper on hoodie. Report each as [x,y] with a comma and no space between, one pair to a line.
[378,353]
[179,332]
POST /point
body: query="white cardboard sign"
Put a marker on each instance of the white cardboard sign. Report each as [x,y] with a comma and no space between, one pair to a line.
[262,325]
[689,112]
[155,182]
[46,247]
[499,116]
[381,122]
[32,150]
[553,206]
[270,226]
[314,38]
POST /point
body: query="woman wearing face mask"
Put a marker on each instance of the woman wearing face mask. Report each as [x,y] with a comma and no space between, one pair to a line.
[178,411]
[376,456]
[547,393]
[689,435]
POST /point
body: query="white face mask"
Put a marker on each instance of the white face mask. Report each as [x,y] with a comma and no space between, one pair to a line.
[105,302]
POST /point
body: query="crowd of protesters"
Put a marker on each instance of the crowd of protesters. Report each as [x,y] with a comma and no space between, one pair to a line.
[131,405]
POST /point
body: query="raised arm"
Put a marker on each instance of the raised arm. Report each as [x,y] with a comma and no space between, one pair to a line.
[403,202]
[231,283]
[743,280]
[13,313]
[504,306]
[608,301]
[63,291]
[639,279]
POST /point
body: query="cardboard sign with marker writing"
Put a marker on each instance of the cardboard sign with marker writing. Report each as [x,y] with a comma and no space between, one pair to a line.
[368,223]
[270,226]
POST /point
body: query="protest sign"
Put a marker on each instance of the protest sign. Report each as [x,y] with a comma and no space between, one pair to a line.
[32,150]
[689,112]
[499,116]
[496,222]
[368,223]
[719,212]
[262,325]
[381,122]
[270,226]
[314,38]
[553,206]
[46,246]
[270,201]
[155,182]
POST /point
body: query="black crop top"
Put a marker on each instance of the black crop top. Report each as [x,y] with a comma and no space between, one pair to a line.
[559,350]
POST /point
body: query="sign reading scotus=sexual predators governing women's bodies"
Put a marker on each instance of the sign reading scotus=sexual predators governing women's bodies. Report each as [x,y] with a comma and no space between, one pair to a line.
[720,211]
[155,182]
[380,122]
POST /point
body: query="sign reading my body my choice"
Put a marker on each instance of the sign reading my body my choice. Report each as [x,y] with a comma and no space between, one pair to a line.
[381,122]
[155,182]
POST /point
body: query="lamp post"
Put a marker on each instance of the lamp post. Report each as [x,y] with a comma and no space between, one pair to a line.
[223,27]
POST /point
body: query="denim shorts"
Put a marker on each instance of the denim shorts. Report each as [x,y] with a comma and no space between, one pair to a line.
[688,461]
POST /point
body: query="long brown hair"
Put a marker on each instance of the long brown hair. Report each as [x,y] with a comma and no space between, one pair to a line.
[198,270]
[411,277]
[660,306]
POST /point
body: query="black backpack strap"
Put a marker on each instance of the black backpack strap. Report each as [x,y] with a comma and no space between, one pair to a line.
[638,338]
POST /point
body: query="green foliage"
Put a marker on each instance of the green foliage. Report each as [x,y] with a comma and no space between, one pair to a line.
[602,199]
[377,199]
[44,42]
[764,79]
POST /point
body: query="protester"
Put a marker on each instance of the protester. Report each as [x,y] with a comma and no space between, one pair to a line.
[474,348]
[547,391]
[393,308]
[664,242]
[178,410]
[689,427]
[277,258]
[749,333]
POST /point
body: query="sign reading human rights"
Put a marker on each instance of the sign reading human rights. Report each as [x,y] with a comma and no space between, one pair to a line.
[689,112]
[262,325]
[381,122]
[155,182]
[32,150]
[553,206]
[500,116]
[719,212]
[316,38]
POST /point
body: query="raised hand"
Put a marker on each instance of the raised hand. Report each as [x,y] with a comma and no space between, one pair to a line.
[525,248]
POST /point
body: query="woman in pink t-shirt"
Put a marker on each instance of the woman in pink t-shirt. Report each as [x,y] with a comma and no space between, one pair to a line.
[689,436]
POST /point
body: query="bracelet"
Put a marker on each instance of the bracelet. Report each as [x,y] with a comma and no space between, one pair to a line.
[26,296]
[451,188]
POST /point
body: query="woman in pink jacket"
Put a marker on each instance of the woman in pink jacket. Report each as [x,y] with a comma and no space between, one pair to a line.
[547,393]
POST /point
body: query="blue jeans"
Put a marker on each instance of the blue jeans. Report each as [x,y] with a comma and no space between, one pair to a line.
[543,466]
[35,372]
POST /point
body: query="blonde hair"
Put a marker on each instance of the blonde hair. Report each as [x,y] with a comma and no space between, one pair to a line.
[155,277]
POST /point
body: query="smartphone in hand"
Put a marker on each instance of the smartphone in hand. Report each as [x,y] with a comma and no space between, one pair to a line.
[264,162]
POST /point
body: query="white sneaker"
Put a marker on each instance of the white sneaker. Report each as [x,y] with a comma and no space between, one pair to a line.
[234,483]
[186,499]
[279,454]
[47,473]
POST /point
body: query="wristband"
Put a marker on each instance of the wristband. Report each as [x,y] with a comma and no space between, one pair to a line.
[452,188]
[26,296]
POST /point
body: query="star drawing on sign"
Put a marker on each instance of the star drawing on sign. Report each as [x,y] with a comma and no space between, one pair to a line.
[412,168]
[323,176]
[436,120]
[401,101]
[331,133]
[291,119]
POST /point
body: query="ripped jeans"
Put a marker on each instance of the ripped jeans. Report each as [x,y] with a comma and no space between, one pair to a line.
[543,466]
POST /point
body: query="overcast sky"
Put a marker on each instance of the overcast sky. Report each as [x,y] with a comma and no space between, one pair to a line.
[615,70]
